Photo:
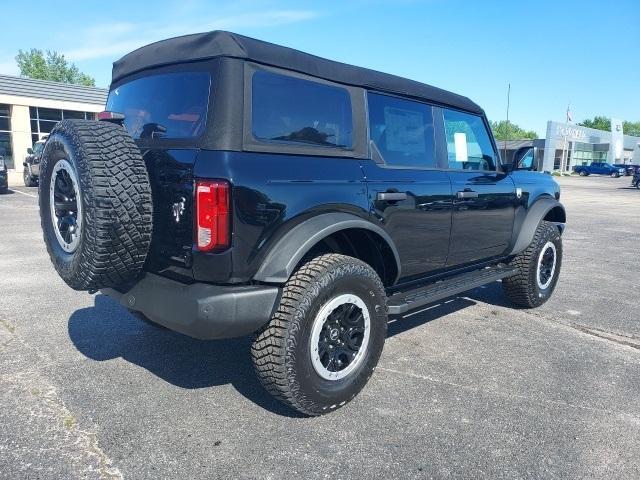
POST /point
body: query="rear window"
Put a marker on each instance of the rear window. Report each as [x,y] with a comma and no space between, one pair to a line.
[296,111]
[170,105]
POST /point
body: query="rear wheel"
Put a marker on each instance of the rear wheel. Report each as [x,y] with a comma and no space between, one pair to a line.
[325,339]
[538,268]
[95,204]
[582,173]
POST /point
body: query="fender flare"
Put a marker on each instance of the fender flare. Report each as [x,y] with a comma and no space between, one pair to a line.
[283,257]
[535,214]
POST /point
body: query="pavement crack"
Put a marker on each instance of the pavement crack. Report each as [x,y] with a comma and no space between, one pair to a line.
[42,413]
[628,341]
[475,389]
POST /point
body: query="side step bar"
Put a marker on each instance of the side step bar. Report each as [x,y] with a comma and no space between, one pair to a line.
[402,302]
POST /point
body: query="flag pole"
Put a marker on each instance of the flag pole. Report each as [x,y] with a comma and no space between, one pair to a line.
[508,128]
[565,153]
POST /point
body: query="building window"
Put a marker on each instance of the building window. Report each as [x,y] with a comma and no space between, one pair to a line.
[44,119]
[5,135]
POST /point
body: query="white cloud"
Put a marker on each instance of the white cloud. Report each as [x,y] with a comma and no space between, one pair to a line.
[115,39]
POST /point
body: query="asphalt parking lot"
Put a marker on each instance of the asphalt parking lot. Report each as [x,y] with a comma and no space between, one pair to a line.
[467,389]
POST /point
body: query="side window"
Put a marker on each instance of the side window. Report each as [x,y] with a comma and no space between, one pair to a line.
[527,161]
[468,143]
[402,131]
[292,110]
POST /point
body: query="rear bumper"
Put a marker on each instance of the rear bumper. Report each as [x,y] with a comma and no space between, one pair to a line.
[200,310]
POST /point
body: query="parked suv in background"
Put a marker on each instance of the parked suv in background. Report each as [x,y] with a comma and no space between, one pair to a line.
[31,164]
[599,168]
[256,189]
[4,174]
[628,169]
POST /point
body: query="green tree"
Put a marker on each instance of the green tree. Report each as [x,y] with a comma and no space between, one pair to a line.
[631,128]
[506,130]
[50,66]
[600,122]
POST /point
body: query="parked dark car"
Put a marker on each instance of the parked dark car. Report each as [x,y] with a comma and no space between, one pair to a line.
[4,174]
[599,168]
[31,164]
[629,170]
[256,189]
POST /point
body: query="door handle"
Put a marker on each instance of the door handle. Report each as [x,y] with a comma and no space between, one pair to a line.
[392,196]
[467,194]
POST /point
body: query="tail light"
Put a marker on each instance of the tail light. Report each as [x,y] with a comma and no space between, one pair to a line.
[212,214]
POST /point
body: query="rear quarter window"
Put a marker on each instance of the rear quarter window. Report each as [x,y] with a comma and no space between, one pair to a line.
[168,105]
[294,111]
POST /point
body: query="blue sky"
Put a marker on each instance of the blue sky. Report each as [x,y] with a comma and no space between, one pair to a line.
[552,52]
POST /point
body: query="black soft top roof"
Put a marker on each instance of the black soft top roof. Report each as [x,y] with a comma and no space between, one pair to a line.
[201,46]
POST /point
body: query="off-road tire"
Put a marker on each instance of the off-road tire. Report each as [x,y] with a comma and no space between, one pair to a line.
[523,289]
[281,349]
[29,181]
[115,196]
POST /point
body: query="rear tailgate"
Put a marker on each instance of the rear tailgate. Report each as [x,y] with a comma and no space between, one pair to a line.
[171,175]
[166,114]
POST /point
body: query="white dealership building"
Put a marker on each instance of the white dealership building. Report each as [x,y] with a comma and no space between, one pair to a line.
[568,145]
[30,108]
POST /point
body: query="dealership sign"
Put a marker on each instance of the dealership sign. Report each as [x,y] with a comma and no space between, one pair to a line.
[570,132]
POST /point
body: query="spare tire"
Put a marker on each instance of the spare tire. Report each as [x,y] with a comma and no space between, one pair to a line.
[95,204]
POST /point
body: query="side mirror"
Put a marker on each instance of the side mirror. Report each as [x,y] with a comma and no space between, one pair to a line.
[30,151]
[524,158]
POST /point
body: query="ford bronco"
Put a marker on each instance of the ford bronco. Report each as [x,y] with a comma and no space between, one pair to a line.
[235,187]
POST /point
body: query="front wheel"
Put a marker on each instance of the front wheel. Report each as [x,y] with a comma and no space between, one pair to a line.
[324,341]
[638,184]
[615,175]
[582,173]
[538,268]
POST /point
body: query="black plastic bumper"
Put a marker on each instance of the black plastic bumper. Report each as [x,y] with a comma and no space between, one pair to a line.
[200,310]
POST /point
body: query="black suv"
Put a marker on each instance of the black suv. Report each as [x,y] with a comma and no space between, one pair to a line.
[256,189]
[31,164]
